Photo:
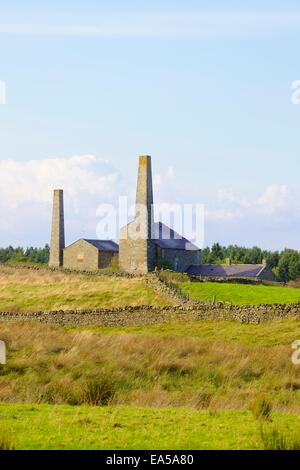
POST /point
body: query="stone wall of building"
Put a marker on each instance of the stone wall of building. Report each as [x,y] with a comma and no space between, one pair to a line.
[180,260]
[81,256]
[106,258]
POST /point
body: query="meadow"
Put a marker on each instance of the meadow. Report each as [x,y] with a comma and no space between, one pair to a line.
[240,294]
[120,427]
[25,290]
[201,365]
[173,385]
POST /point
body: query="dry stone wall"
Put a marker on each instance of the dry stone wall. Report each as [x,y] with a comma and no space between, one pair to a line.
[149,315]
[182,309]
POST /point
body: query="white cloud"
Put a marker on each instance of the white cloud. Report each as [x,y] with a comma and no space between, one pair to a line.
[33,181]
[275,198]
[228,196]
[26,202]
[26,196]
[160,179]
[275,201]
[223,214]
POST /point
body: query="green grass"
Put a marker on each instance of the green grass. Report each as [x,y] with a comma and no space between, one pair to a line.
[240,294]
[29,290]
[66,427]
[267,334]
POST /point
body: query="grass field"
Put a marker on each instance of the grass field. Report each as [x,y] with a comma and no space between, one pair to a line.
[66,427]
[201,365]
[175,385]
[25,290]
[240,294]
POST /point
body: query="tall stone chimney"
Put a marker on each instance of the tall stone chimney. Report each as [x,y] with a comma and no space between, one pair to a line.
[58,229]
[137,248]
[144,196]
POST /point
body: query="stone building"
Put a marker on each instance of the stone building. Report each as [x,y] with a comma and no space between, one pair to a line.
[84,254]
[90,254]
[145,244]
[229,270]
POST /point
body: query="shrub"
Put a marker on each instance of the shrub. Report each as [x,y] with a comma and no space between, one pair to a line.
[204,400]
[99,391]
[173,276]
[275,439]
[164,264]
[261,408]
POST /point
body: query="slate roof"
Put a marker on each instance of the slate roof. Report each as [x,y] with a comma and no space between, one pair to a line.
[232,270]
[167,238]
[104,245]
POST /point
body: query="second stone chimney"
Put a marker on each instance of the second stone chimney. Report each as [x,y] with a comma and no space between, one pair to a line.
[137,248]
[57,244]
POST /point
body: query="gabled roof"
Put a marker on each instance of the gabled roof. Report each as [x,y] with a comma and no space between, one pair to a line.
[167,238]
[232,270]
[103,245]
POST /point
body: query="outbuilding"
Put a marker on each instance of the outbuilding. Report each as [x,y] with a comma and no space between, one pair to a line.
[85,254]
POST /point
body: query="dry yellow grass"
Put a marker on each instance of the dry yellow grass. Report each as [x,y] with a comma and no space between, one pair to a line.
[59,365]
[30,290]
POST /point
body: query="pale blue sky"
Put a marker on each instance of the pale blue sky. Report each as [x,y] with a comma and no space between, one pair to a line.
[203,87]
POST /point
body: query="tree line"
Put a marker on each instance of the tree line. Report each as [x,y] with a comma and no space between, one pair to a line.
[25,255]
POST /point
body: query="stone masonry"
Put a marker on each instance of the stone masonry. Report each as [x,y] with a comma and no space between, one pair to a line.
[136,246]
[81,255]
[180,260]
[58,230]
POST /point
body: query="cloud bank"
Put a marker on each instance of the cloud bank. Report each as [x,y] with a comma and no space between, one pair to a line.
[270,219]
[26,196]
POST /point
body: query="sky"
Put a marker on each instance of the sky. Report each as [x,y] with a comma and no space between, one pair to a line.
[204,87]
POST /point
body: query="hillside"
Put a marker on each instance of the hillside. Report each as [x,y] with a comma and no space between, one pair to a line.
[25,289]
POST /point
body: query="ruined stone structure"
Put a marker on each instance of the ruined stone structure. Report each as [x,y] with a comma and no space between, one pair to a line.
[145,244]
[137,248]
[57,243]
